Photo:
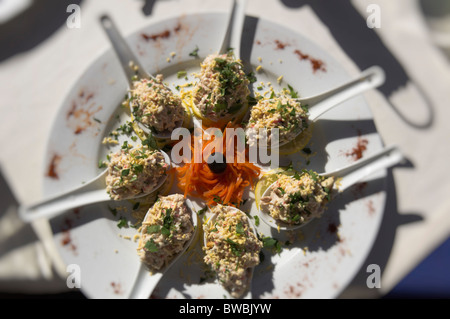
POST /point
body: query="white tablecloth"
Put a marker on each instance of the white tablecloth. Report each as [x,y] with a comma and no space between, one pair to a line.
[412,115]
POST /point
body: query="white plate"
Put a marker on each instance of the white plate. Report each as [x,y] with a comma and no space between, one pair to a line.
[322,258]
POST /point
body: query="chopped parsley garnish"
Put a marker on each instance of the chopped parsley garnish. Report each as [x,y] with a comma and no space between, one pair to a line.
[240,228]
[311,173]
[219,107]
[271,243]
[150,142]
[122,222]
[194,53]
[292,92]
[235,249]
[181,74]
[101,164]
[251,77]
[202,211]
[229,80]
[126,146]
[126,128]
[137,168]
[167,222]
[153,229]
[256,220]
[151,246]
[217,199]
[252,100]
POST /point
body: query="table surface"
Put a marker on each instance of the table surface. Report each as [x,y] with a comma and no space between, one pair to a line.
[40,51]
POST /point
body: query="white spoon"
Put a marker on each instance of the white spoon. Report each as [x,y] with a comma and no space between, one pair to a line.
[250,271]
[233,35]
[145,281]
[319,104]
[126,56]
[324,102]
[91,192]
[232,40]
[348,175]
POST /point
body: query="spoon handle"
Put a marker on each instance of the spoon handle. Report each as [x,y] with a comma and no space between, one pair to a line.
[368,79]
[145,283]
[123,51]
[56,205]
[355,172]
[235,26]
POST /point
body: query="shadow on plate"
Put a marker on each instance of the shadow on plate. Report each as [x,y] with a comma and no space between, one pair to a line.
[365,48]
[320,234]
[23,235]
[33,26]
[381,250]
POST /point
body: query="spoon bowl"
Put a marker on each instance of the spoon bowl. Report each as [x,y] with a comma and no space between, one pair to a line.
[344,178]
[320,104]
[249,271]
[145,281]
[231,40]
[94,191]
[131,67]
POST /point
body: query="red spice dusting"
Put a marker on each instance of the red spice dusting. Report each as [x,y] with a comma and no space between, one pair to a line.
[294,292]
[358,189]
[317,65]
[280,45]
[358,150]
[117,288]
[342,251]
[162,35]
[80,118]
[177,28]
[66,240]
[72,110]
[52,171]
[371,207]
[81,94]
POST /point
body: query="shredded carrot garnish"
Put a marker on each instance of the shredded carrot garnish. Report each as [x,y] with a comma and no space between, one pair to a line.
[227,188]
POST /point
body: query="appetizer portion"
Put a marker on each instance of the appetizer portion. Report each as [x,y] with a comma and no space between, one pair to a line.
[222,89]
[297,199]
[155,106]
[166,230]
[231,248]
[134,171]
[283,113]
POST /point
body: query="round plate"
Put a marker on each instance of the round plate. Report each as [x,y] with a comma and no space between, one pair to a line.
[317,261]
